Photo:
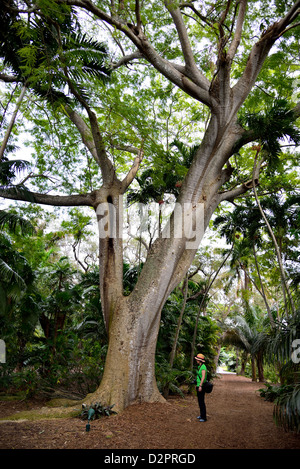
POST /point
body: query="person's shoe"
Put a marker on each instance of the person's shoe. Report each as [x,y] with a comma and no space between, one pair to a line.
[202,420]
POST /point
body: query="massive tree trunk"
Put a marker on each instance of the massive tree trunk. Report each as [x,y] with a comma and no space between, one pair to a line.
[129,374]
[133,322]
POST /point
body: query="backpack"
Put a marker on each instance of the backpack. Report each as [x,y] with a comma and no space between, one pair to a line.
[208,387]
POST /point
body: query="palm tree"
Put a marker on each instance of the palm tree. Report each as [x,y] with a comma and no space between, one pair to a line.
[52,51]
[248,333]
[270,127]
[244,228]
[280,344]
[18,314]
[285,286]
[245,225]
[62,298]
[15,272]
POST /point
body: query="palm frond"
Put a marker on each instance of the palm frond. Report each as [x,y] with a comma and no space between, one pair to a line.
[48,58]
[91,54]
[279,344]
[273,125]
[9,169]
[287,408]
[12,221]
[8,274]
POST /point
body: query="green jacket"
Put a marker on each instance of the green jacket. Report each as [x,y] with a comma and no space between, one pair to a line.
[199,374]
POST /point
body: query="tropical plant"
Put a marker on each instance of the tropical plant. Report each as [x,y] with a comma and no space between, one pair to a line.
[47,53]
[245,225]
[166,179]
[287,408]
[15,271]
[61,298]
[248,333]
[96,410]
[18,308]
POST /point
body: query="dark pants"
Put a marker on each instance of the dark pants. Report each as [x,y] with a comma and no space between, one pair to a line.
[201,402]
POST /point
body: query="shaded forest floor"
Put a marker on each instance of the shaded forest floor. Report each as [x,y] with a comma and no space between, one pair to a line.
[238,418]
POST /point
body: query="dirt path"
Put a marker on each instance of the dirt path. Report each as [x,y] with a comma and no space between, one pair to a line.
[237,419]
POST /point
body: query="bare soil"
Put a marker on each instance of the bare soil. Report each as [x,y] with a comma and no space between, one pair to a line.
[238,418]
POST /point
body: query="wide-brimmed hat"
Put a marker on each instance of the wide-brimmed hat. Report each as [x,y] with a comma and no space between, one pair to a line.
[200,357]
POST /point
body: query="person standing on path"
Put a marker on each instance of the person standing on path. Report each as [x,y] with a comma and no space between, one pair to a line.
[201,379]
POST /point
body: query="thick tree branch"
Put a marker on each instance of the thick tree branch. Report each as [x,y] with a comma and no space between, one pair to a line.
[94,142]
[183,37]
[236,192]
[138,14]
[239,29]
[126,59]
[196,85]
[287,29]
[46,199]
[259,53]
[128,148]
[84,131]
[12,121]
[243,188]
[290,16]
[8,78]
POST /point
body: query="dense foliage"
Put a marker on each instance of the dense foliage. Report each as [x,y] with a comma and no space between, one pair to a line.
[54,331]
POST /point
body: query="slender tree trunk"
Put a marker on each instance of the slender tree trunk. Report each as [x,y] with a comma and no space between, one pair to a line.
[173,351]
[174,347]
[260,367]
[244,359]
[253,368]
[217,356]
[12,121]
[201,305]
[285,287]
[262,291]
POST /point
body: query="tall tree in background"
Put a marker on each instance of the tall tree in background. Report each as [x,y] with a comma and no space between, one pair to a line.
[214,54]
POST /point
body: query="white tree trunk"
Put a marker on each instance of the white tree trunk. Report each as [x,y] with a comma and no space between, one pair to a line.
[133,322]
